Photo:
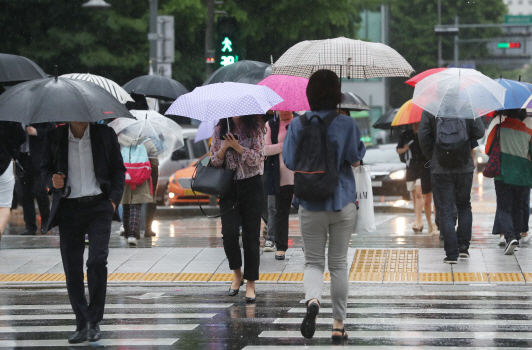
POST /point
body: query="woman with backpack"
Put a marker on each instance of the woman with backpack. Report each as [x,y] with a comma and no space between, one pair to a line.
[140,157]
[238,144]
[279,183]
[322,147]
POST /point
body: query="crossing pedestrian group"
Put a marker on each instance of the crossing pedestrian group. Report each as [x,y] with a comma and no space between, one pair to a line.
[282,143]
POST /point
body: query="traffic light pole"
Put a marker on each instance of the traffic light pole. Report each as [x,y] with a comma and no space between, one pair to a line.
[209,36]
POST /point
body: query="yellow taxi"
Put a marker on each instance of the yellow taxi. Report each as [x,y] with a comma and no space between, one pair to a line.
[179,189]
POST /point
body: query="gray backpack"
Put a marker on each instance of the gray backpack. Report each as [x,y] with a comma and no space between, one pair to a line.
[453,148]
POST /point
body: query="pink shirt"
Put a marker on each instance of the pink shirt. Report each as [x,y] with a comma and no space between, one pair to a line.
[287,176]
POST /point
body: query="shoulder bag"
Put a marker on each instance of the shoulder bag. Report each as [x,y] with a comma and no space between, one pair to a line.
[493,166]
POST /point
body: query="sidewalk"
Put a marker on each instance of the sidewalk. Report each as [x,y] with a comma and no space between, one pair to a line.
[177,265]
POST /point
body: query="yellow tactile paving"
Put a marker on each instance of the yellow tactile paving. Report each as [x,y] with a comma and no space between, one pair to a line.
[369,260]
[470,277]
[51,277]
[193,277]
[292,277]
[222,277]
[20,277]
[158,277]
[2,276]
[528,277]
[401,260]
[400,277]
[269,277]
[506,277]
[327,277]
[125,277]
[366,277]
[435,277]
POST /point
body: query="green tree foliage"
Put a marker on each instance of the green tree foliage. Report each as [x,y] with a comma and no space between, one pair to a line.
[412,33]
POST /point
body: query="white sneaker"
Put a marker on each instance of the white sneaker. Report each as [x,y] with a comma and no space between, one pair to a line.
[510,247]
[122,230]
[526,238]
[269,246]
[518,246]
[502,241]
[132,241]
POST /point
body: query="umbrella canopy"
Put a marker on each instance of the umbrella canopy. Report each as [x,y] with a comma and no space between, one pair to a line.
[223,100]
[417,78]
[518,94]
[459,93]
[205,131]
[293,90]
[235,71]
[59,100]
[409,113]
[110,86]
[156,86]
[166,135]
[255,76]
[354,102]
[385,121]
[15,68]
[346,57]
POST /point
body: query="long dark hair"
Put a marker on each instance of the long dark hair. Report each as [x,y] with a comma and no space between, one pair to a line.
[250,124]
[517,113]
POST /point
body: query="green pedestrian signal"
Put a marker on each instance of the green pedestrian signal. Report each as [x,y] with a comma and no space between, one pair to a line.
[227,48]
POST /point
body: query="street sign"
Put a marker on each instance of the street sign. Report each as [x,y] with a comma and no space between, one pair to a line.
[518,19]
[165,39]
[446,30]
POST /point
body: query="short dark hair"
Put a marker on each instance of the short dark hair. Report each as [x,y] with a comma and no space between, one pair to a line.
[323,90]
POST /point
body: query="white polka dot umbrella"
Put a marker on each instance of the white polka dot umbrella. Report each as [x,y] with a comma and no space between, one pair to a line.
[223,100]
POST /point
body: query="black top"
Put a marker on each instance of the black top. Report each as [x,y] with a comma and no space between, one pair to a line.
[415,160]
[12,136]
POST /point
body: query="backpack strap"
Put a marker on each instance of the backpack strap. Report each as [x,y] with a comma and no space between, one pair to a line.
[329,118]
[304,120]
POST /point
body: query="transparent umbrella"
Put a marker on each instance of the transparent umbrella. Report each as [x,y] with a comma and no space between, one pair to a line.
[166,135]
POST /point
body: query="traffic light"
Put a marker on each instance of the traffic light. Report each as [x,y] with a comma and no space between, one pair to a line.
[511,45]
[227,47]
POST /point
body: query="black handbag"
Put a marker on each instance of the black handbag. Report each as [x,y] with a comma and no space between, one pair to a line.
[212,181]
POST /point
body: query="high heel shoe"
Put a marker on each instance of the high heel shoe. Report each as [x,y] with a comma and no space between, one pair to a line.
[337,338]
[234,292]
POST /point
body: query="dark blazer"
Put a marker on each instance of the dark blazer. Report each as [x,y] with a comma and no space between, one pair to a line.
[12,136]
[108,163]
[272,183]
[37,142]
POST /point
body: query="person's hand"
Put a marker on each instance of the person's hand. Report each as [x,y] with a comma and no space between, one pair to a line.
[114,206]
[230,141]
[356,164]
[406,147]
[31,131]
[58,181]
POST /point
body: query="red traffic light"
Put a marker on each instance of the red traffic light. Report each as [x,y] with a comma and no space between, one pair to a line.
[512,45]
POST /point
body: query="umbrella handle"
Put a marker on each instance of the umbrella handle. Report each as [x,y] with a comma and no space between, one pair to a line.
[66,190]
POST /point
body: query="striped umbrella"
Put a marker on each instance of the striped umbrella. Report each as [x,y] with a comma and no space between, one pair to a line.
[409,113]
[110,86]
[346,57]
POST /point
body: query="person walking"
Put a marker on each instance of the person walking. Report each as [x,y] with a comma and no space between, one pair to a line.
[452,177]
[94,174]
[513,183]
[279,183]
[30,180]
[135,195]
[239,144]
[12,137]
[336,215]
[417,177]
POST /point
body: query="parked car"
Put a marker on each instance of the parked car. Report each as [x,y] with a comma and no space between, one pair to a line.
[179,159]
[388,174]
[179,189]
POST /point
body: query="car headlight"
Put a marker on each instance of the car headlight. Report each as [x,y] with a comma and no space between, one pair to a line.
[171,194]
[398,175]
[479,160]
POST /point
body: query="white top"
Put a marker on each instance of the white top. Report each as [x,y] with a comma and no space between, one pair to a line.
[81,176]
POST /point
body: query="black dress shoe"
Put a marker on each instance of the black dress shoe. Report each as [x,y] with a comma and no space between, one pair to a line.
[28,233]
[279,257]
[234,292]
[79,336]
[44,230]
[251,300]
[94,333]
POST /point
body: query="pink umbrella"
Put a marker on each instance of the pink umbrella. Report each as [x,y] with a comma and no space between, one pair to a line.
[293,90]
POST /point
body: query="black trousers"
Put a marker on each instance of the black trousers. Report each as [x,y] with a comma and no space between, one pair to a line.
[511,200]
[283,202]
[248,193]
[76,220]
[32,187]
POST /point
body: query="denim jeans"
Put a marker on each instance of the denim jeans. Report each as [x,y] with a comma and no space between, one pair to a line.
[511,200]
[450,190]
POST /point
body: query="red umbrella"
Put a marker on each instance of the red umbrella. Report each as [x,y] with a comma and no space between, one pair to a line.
[417,78]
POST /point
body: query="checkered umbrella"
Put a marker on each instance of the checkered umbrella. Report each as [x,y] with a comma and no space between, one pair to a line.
[348,58]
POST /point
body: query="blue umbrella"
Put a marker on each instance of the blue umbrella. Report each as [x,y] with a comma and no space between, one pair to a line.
[223,100]
[517,93]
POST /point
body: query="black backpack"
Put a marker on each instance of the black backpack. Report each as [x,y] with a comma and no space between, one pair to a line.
[452,142]
[315,173]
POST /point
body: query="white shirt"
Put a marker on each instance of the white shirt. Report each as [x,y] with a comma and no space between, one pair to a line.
[81,176]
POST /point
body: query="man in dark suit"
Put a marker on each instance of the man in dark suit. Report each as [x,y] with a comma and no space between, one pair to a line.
[31,184]
[83,165]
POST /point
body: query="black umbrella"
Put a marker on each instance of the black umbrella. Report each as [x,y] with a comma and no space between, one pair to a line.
[15,68]
[385,121]
[235,71]
[156,86]
[59,100]
[353,102]
[256,75]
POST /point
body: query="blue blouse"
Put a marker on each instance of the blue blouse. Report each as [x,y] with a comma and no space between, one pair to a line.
[344,135]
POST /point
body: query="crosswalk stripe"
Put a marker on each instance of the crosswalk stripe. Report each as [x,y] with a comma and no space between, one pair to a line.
[370,347]
[120,306]
[426,293]
[103,342]
[406,334]
[107,316]
[411,321]
[104,328]
[429,301]
[380,310]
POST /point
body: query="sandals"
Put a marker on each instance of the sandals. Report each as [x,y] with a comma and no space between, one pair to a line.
[339,337]
[417,229]
[308,326]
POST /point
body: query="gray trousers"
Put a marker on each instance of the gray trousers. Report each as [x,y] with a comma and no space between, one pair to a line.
[314,228]
[270,236]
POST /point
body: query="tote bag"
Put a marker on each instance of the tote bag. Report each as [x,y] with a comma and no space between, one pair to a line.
[493,167]
[365,215]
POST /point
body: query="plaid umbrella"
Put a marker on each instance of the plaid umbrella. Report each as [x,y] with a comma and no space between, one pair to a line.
[346,57]
[109,85]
